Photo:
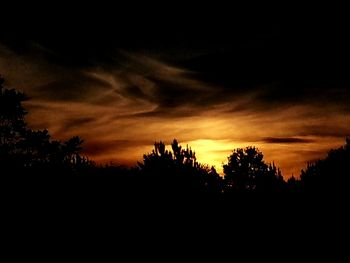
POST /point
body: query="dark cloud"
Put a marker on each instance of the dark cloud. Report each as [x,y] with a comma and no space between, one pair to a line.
[239,56]
[342,130]
[76,123]
[287,140]
[304,91]
[169,112]
[168,87]
[71,86]
[172,94]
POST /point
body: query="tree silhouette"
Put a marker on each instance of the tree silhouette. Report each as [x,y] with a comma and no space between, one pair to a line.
[12,123]
[71,149]
[34,147]
[23,148]
[293,184]
[178,170]
[330,174]
[247,171]
[158,161]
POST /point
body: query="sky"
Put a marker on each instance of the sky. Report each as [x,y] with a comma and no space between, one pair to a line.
[215,83]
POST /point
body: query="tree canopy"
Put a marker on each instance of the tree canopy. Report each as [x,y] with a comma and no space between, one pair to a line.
[247,171]
[24,148]
[332,172]
[179,169]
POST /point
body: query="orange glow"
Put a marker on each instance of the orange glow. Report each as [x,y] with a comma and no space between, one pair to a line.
[119,126]
[213,135]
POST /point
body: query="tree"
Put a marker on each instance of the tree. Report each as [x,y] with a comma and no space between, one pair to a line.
[293,184]
[12,125]
[247,171]
[331,174]
[178,169]
[34,147]
[158,161]
[23,148]
[162,160]
[71,149]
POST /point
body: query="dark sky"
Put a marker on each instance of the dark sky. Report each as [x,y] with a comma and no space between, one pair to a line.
[277,79]
[260,45]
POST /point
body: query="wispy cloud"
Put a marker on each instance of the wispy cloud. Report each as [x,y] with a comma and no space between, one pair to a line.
[122,107]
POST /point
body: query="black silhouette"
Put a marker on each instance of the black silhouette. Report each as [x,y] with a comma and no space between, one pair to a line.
[331,174]
[247,171]
[178,170]
[23,150]
[12,124]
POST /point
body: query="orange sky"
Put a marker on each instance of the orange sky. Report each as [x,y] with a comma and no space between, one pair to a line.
[213,135]
[120,127]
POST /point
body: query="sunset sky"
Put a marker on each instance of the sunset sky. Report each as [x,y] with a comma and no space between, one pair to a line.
[214,85]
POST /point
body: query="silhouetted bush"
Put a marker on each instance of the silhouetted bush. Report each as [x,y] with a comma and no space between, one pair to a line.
[24,151]
[331,174]
[247,171]
[178,170]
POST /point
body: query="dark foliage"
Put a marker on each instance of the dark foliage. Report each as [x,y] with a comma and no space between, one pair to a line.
[26,151]
[247,171]
[178,170]
[331,174]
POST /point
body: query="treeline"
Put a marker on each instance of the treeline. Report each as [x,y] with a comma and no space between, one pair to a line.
[36,158]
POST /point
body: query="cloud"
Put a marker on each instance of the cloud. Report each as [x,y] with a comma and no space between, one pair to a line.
[122,104]
[79,122]
[76,86]
[287,140]
[340,130]
[162,84]
[146,78]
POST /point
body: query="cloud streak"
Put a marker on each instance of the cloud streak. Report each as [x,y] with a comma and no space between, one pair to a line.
[287,140]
